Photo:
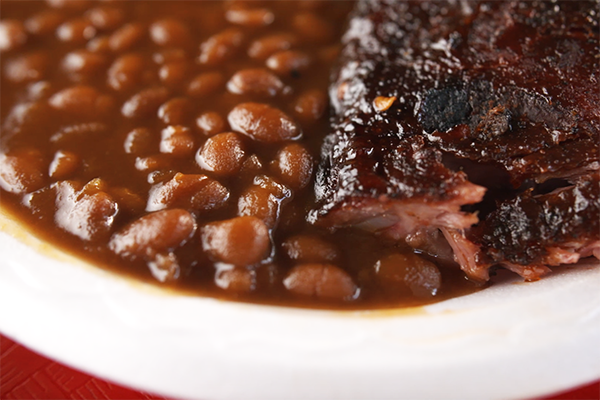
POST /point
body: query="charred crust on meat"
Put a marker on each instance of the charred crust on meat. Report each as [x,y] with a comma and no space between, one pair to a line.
[444,108]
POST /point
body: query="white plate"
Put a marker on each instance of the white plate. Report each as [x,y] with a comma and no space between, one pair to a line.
[511,341]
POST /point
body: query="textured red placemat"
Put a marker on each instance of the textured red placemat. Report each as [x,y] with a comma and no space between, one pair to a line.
[28,375]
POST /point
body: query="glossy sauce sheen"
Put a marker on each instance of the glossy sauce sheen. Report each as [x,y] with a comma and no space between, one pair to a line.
[176,142]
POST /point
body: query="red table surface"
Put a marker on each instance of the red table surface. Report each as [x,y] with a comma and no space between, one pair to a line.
[25,374]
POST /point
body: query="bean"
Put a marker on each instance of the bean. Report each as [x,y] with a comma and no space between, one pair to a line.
[431,241]
[288,62]
[197,192]
[83,62]
[313,28]
[257,81]
[170,32]
[44,22]
[145,103]
[169,55]
[82,100]
[175,111]
[259,202]
[310,249]
[177,140]
[151,163]
[409,274]
[127,37]
[99,44]
[235,279]
[39,90]
[205,84]
[127,200]
[138,141]
[311,105]
[221,46]
[210,123]
[26,118]
[263,123]
[21,171]
[212,196]
[77,30]
[277,189]
[324,281]
[256,17]
[80,131]
[240,241]
[64,164]
[27,68]
[95,185]
[156,233]
[105,17]
[87,212]
[164,267]
[266,46]
[294,165]
[251,167]
[264,200]
[160,176]
[125,71]
[222,154]
[173,73]
[12,34]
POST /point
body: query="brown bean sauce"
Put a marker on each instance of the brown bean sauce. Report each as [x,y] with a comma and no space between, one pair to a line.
[176,142]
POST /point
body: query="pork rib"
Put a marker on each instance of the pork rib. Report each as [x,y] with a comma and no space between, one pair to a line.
[446,111]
